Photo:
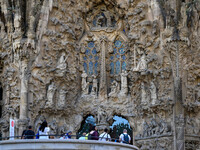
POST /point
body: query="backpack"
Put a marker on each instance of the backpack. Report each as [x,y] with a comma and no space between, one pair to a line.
[126,138]
[37,136]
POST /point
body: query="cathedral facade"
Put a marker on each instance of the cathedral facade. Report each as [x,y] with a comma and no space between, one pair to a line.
[62,60]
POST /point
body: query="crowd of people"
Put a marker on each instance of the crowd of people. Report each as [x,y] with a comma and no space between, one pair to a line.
[93,134]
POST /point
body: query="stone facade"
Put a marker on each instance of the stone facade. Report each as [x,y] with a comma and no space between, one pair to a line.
[62,60]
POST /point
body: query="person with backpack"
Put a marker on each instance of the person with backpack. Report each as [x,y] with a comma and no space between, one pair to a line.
[105,136]
[124,137]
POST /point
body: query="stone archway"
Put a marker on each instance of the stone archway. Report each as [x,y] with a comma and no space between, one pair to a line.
[86,125]
[118,125]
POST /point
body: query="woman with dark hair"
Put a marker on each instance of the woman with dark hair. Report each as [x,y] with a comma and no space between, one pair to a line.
[94,134]
[43,131]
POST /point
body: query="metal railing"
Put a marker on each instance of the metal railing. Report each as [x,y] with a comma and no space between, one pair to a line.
[57,136]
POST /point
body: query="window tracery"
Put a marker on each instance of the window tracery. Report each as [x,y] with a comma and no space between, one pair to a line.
[118,59]
[90,58]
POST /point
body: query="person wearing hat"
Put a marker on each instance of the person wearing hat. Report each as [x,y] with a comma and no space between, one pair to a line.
[68,135]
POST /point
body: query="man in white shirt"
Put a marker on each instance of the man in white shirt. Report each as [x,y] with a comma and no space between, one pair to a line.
[124,137]
[105,136]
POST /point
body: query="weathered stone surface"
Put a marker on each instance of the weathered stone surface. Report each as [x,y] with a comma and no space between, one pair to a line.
[63,60]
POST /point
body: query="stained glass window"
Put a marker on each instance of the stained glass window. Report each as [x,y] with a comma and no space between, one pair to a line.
[90,59]
[90,68]
[118,59]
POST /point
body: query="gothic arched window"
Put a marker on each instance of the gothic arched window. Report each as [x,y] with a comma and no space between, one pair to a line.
[118,59]
[90,59]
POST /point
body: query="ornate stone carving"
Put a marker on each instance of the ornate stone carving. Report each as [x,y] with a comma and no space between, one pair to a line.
[153,92]
[94,85]
[144,98]
[142,64]
[62,97]
[84,83]
[124,83]
[114,89]
[61,65]
[50,95]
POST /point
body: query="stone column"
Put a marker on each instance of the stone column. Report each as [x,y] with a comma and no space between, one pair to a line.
[103,86]
[23,96]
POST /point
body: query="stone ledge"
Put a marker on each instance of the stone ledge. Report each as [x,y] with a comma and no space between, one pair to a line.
[64,144]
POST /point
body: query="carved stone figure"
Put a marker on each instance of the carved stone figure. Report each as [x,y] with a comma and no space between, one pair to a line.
[62,65]
[124,83]
[94,85]
[153,93]
[84,83]
[50,94]
[62,97]
[142,64]
[114,89]
[144,100]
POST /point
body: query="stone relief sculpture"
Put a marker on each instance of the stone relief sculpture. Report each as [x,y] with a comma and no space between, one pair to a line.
[84,83]
[142,64]
[154,129]
[62,65]
[114,89]
[124,83]
[94,85]
[50,94]
[144,99]
[153,93]
[62,97]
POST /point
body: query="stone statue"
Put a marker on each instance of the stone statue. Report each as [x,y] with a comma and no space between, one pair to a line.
[84,83]
[62,66]
[114,89]
[50,94]
[101,118]
[94,85]
[142,64]
[62,97]
[124,83]
[143,95]
[145,129]
[153,93]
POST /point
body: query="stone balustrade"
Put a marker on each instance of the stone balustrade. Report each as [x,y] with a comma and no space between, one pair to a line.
[63,144]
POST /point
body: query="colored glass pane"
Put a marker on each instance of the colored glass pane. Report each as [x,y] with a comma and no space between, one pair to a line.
[118,56]
[111,57]
[90,56]
[115,50]
[91,44]
[124,66]
[94,51]
[95,68]
[96,58]
[111,68]
[117,67]
[90,68]
[85,58]
[87,52]
[121,51]
[85,67]
[118,43]
[123,57]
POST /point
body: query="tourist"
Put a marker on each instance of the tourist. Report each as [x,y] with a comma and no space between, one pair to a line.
[23,134]
[29,134]
[94,134]
[43,131]
[124,137]
[105,136]
[83,137]
[68,135]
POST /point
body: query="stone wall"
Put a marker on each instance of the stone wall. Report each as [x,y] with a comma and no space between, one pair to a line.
[62,60]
